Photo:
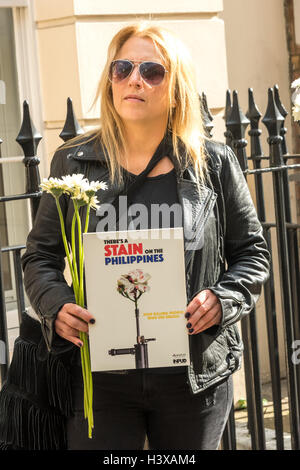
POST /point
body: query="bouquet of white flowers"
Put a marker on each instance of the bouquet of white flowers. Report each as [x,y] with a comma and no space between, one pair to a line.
[296,99]
[82,192]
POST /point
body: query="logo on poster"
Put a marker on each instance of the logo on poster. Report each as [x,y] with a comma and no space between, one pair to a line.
[179,361]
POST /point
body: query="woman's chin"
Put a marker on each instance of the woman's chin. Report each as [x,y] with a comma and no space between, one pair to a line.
[133,118]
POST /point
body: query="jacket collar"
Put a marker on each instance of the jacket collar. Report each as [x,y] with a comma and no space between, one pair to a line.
[93,150]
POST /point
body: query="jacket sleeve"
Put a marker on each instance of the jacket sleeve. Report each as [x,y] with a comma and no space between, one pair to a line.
[43,262]
[246,253]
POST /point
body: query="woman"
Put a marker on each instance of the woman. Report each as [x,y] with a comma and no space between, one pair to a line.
[150,146]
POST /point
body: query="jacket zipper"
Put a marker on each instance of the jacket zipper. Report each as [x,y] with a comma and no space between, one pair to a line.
[206,211]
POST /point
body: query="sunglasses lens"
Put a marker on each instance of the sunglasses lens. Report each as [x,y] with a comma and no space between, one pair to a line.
[119,70]
[152,72]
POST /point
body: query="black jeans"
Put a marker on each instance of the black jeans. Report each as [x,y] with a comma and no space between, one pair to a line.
[128,407]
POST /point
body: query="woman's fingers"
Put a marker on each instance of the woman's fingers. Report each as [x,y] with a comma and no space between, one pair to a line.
[79,312]
[202,303]
[67,330]
[74,322]
[205,311]
[72,319]
[67,333]
[209,319]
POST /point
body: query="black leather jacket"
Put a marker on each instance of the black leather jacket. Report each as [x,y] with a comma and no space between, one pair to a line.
[228,255]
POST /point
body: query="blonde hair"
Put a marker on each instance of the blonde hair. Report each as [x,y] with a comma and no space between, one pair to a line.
[184,121]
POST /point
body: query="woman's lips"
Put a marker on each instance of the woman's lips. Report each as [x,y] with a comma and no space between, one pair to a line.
[134,99]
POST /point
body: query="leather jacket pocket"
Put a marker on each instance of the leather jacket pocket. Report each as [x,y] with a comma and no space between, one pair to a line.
[208,352]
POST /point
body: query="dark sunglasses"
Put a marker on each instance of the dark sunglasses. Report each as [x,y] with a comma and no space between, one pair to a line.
[152,73]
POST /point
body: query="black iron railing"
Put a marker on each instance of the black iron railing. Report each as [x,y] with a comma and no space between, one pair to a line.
[288,257]
[287,252]
[28,138]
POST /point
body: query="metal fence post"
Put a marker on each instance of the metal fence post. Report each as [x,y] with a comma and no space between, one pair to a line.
[292,230]
[228,111]
[273,121]
[270,306]
[237,123]
[3,322]
[29,139]
[206,116]
[71,127]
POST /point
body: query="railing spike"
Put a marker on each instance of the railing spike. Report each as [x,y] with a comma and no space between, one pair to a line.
[28,137]
[253,113]
[204,101]
[206,115]
[236,124]
[228,109]
[72,127]
[273,119]
[228,106]
[284,113]
[278,102]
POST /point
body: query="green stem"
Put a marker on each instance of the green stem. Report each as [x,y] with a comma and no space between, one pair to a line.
[74,250]
[84,376]
[87,218]
[86,363]
[63,231]
[79,296]
[80,257]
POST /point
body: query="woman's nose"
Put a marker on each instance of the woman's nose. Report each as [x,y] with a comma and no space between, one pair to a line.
[135,76]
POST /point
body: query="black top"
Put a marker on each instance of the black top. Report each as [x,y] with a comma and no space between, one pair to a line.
[157,190]
[161,189]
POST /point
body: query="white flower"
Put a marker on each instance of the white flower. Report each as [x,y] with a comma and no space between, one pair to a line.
[296,97]
[124,282]
[94,203]
[296,83]
[296,113]
[124,286]
[92,187]
[138,276]
[77,181]
[74,180]
[74,183]
[96,185]
[81,198]
[54,186]
[144,288]
[133,283]
[81,190]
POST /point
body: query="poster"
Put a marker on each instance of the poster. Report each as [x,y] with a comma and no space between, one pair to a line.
[135,286]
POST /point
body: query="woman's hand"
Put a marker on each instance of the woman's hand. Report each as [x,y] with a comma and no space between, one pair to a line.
[70,320]
[203,312]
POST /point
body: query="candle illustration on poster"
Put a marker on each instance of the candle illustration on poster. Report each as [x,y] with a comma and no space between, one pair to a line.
[132,286]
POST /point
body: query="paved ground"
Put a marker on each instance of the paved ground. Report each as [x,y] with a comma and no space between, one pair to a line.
[243,437]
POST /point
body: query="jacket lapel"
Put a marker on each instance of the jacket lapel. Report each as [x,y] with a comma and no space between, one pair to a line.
[197,206]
